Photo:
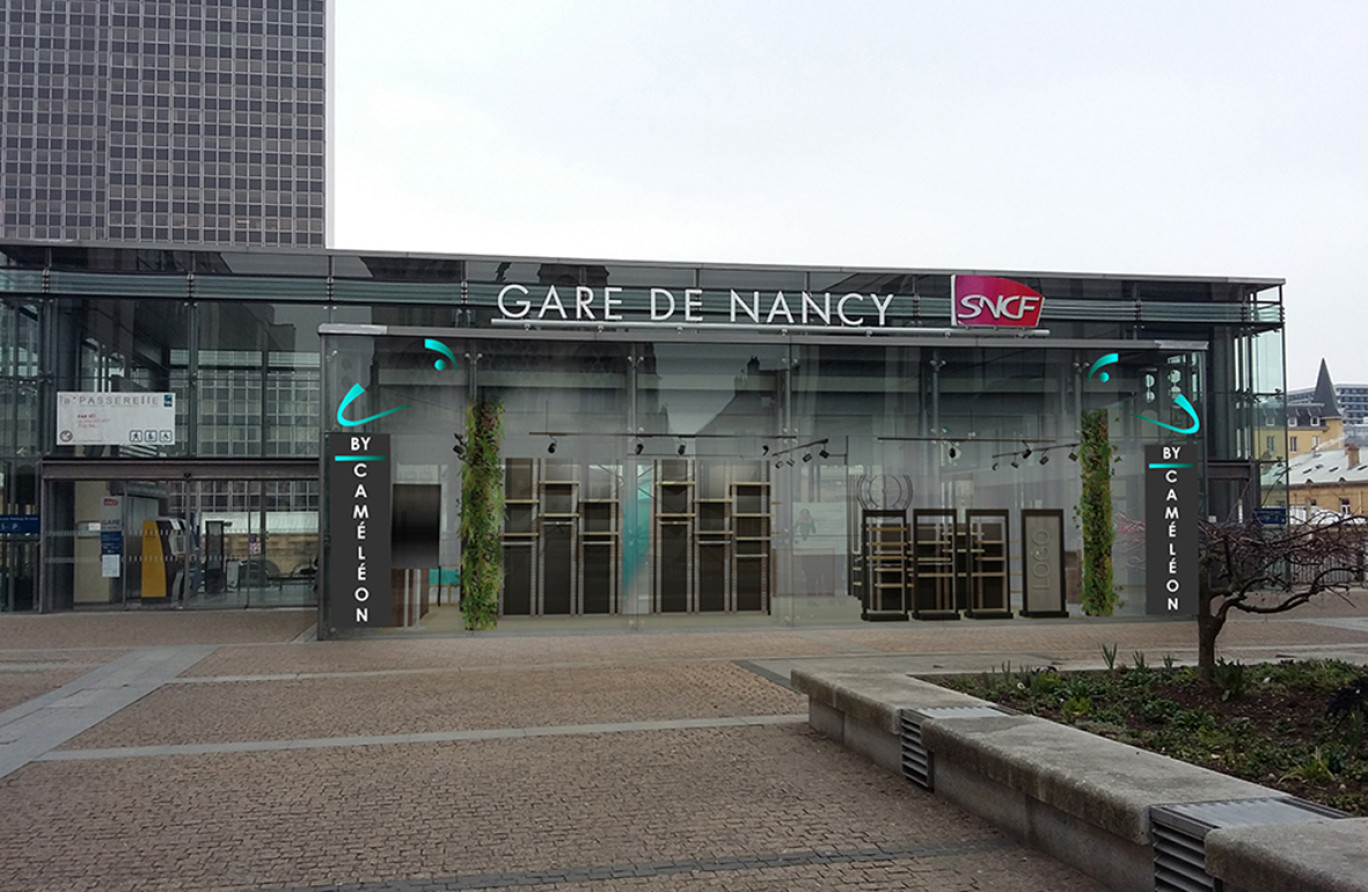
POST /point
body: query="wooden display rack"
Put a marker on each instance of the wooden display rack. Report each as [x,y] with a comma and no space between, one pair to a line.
[885,553]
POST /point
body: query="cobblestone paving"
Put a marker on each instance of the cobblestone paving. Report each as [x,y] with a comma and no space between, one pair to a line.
[457,700]
[18,685]
[741,807]
[135,628]
[1066,637]
[505,807]
[462,650]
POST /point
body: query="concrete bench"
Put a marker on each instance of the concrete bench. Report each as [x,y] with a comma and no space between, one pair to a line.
[1084,799]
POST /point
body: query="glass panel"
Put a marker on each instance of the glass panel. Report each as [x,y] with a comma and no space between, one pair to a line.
[259,384]
[126,346]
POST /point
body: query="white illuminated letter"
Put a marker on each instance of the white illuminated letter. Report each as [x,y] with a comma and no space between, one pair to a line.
[523,306]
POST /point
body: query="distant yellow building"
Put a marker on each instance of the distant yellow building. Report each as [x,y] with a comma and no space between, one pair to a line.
[1325,469]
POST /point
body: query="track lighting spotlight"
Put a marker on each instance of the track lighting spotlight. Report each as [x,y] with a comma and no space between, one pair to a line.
[680,450]
[1073,455]
[551,447]
[1015,464]
[779,464]
[1044,458]
[789,462]
[954,452]
[459,447]
[823,453]
[807,457]
[764,449]
[1026,453]
[995,466]
[640,445]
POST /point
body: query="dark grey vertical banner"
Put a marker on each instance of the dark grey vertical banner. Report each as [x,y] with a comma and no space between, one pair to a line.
[359,529]
[1171,530]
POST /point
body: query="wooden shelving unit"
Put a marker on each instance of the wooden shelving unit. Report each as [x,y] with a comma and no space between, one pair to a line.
[600,555]
[673,541]
[559,577]
[562,548]
[521,538]
[885,557]
[713,553]
[986,565]
[935,537]
[752,552]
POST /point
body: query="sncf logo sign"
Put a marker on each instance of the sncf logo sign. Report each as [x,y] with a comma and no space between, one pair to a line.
[986,300]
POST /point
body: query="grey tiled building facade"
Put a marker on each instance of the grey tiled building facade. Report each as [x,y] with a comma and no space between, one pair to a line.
[188,122]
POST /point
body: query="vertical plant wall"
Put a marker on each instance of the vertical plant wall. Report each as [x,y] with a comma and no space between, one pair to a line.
[1095,515]
[482,504]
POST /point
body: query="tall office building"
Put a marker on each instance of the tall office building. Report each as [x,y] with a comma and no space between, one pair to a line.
[194,122]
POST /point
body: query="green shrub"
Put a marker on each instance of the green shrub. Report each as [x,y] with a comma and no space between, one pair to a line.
[482,503]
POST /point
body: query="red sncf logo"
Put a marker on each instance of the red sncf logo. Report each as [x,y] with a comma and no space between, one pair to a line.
[987,300]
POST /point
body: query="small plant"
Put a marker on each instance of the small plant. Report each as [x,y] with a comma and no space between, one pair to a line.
[1230,678]
[1075,706]
[1159,710]
[1315,769]
[1168,662]
[1109,656]
[1138,659]
[1045,681]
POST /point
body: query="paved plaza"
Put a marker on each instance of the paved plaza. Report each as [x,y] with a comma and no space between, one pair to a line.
[162,750]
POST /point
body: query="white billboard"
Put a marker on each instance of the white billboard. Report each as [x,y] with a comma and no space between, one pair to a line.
[116,419]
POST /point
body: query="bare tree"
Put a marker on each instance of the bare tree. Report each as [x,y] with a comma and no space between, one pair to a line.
[1272,569]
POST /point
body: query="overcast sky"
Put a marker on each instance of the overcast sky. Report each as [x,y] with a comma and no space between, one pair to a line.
[1185,138]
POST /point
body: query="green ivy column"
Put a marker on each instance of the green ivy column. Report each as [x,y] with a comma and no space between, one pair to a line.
[1095,515]
[482,504]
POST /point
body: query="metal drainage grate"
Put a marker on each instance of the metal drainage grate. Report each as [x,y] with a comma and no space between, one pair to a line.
[917,764]
[1180,834]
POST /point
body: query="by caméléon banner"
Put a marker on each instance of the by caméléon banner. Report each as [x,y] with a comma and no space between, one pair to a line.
[359,593]
[1171,530]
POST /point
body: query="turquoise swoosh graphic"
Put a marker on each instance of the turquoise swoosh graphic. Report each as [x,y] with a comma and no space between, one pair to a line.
[1186,406]
[356,391]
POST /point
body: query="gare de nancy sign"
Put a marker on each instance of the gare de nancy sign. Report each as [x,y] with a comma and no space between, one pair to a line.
[977,301]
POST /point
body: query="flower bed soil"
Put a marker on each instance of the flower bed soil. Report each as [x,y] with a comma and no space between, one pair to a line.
[1265,723]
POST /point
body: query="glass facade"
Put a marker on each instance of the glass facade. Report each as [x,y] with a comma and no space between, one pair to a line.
[681,443]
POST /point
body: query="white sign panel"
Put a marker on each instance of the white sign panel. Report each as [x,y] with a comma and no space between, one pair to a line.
[116,419]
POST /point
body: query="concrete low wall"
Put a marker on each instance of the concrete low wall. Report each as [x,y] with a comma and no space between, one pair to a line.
[1327,855]
[1081,798]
